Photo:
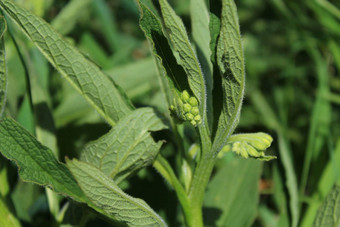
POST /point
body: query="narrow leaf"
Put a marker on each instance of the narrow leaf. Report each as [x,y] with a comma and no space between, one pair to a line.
[107,196]
[200,25]
[68,17]
[3,67]
[231,65]
[127,147]
[86,77]
[329,212]
[180,42]
[200,31]
[36,162]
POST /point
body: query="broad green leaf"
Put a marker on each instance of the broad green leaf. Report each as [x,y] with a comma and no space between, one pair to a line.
[232,195]
[6,217]
[166,62]
[107,196]
[3,67]
[180,42]
[230,61]
[36,162]
[127,147]
[68,17]
[86,77]
[329,212]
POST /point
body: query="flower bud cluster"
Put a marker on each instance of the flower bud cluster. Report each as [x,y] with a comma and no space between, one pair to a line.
[187,108]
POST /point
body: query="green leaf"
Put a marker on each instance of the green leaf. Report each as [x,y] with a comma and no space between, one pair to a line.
[232,195]
[36,162]
[249,145]
[166,62]
[200,31]
[329,177]
[329,212]
[200,25]
[86,77]
[230,61]
[128,147]
[6,217]
[180,42]
[107,196]
[3,67]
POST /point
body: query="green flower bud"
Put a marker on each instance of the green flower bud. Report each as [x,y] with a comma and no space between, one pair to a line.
[195,111]
[189,116]
[244,153]
[251,150]
[185,96]
[236,147]
[187,108]
[197,118]
[193,122]
[193,101]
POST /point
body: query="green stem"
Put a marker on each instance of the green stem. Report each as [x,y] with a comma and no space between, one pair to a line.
[164,168]
[200,179]
[199,183]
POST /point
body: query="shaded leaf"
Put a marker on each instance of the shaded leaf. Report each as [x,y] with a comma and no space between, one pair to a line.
[172,74]
[230,62]
[180,42]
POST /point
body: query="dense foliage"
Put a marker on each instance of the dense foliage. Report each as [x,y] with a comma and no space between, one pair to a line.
[106,78]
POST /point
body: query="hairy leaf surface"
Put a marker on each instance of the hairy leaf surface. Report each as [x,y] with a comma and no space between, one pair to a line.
[3,67]
[107,196]
[127,147]
[166,62]
[329,212]
[86,77]
[36,162]
[200,23]
[181,43]
[231,65]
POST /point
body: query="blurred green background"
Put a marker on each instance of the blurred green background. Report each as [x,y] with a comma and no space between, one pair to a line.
[292,51]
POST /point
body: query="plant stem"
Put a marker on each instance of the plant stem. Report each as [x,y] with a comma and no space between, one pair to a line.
[199,182]
[200,179]
[164,168]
